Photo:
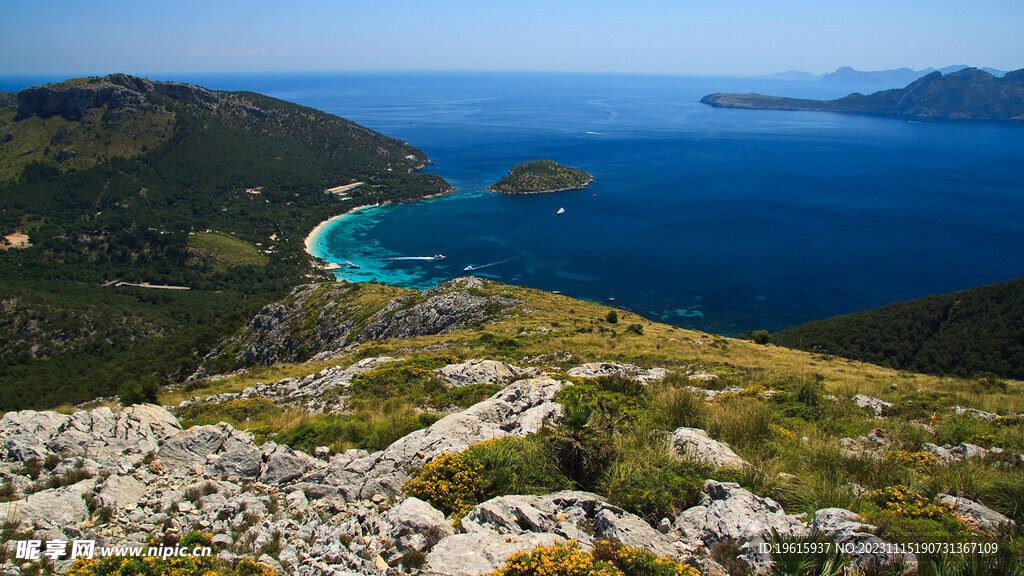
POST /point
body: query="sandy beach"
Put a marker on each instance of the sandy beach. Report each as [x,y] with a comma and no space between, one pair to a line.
[320,228]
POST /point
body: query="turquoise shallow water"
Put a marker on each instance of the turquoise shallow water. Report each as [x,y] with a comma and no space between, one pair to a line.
[721,220]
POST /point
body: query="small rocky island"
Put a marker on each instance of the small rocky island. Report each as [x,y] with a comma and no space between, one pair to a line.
[538,176]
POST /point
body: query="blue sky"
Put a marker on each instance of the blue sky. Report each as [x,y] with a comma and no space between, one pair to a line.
[717,37]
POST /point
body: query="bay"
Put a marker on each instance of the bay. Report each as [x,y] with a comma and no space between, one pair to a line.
[719,220]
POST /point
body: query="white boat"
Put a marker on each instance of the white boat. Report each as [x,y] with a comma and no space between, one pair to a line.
[348,264]
[468,268]
[560,211]
[438,257]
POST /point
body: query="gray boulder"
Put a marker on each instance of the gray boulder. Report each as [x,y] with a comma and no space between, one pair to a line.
[479,372]
[728,511]
[598,369]
[857,538]
[119,491]
[697,444]
[417,525]
[190,448]
[283,464]
[978,514]
[481,553]
[242,462]
[54,508]
[873,405]
[579,516]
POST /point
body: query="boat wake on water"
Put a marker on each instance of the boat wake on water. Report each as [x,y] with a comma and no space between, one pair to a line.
[435,257]
[471,268]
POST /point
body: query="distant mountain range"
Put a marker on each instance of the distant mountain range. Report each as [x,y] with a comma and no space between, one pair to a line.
[895,78]
[968,94]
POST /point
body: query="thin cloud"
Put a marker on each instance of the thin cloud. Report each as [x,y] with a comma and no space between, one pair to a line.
[223,52]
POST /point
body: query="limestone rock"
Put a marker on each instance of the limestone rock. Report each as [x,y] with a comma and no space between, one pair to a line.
[283,465]
[848,530]
[697,444]
[479,372]
[978,514]
[519,409]
[417,526]
[119,491]
[728,511]
[241,462]
[53,508]
[873,405]
[480,553]
[598,369]
[571,515]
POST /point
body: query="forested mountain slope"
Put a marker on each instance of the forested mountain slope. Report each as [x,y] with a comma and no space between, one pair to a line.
[123,179]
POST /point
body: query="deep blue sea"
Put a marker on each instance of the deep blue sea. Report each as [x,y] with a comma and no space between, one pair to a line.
[720,220]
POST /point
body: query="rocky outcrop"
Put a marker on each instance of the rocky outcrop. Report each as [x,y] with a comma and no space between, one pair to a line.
[451,306]
[519,409]
[417,526]
[473,554]
[978,515]
[849,531]
[117,93]
[697,444]
[480,372]
[598,369]
[521,521]
[321,321]
[727,511]
[102,435]
[966,451]
[873,405]
[324,391]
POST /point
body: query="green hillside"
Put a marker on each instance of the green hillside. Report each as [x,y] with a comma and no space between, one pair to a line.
[119,179]
[960,333]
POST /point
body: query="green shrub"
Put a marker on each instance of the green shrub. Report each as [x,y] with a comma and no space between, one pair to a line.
[612,317]
[141,391]
[413,381]
[413,559]
[461,396]
[647,481]
[679,407]
[760,336]
[990,382]
[452,483]
[519,465]
[906,516]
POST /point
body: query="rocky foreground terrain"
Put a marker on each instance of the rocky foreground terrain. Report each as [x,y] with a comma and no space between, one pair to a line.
[122,476]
